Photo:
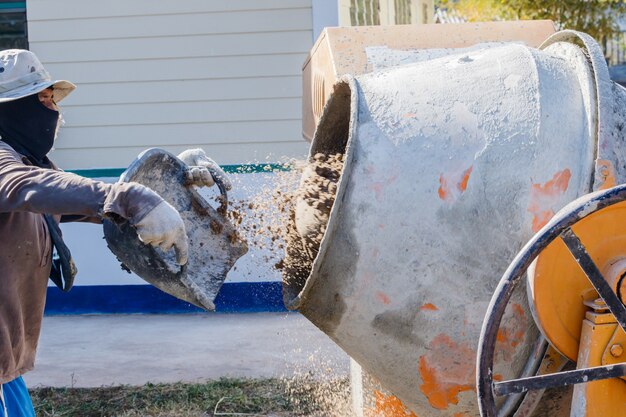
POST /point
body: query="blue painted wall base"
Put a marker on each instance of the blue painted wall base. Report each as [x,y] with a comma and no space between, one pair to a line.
[236,297]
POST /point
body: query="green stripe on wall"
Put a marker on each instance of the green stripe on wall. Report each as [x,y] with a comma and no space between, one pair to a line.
[13,5]
[236,169]
[98,173]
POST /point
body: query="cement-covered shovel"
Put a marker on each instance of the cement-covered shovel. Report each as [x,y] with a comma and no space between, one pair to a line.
[214,245]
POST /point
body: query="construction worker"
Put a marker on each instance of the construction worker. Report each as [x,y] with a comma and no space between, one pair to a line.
[35,196]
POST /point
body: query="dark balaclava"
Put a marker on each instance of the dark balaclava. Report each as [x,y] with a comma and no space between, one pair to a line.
[29,127]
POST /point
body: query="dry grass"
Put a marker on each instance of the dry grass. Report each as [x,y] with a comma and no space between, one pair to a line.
[225,397]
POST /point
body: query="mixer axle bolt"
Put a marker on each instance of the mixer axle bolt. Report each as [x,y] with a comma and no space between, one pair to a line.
[617,350]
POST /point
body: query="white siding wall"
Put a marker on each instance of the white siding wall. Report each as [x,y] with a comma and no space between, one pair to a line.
[220,74]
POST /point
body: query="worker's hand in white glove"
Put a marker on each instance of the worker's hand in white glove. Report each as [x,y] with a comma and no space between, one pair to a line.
[203,171]
[163,227]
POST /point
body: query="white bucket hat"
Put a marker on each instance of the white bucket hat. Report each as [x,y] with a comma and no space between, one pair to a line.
[21,75]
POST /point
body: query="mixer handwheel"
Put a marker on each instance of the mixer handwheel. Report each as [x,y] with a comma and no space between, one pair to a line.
[560,226]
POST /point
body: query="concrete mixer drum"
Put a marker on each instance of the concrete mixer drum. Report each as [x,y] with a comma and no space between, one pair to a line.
[449,165]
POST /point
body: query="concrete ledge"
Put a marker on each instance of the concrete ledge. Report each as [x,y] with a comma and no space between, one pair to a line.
[103,350]
[236,297]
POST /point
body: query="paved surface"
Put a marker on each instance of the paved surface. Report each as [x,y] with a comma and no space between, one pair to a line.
[92,351]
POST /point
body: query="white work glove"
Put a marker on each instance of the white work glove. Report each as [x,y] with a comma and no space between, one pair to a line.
[163,227]
[202,169]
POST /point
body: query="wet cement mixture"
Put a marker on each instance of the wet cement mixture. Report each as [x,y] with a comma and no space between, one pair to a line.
[288,219]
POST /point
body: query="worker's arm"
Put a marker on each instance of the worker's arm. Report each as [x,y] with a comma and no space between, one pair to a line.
[39,190]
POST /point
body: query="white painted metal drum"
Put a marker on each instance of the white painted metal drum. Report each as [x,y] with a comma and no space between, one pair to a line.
[451,165]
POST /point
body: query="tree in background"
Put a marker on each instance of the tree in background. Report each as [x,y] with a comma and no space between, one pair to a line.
[598,18]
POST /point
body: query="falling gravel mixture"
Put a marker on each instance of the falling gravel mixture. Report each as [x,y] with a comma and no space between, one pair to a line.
[287,219]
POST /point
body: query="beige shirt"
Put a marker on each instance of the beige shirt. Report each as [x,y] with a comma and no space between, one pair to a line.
[27,191]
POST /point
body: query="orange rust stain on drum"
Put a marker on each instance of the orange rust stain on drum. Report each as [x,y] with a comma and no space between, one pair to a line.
[512,331]
[429,307]
[520,316]
[382,297]
[465,178]
[452,185]
[379,186]
[444,190]
[447,369]
[543,198]
[389,406]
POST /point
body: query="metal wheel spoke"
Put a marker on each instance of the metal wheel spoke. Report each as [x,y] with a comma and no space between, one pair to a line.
[559,379]
[594,275]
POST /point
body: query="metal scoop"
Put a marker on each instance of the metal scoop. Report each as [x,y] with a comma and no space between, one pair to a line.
[214,245]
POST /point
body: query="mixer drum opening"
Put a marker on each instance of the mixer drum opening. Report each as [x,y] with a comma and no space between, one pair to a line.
[315,197]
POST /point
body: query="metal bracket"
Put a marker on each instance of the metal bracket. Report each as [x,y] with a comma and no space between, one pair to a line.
[615,351]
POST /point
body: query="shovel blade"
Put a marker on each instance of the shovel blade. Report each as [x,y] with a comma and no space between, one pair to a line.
[214,245]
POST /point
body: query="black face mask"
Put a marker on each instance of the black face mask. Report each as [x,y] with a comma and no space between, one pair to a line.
[29,127]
